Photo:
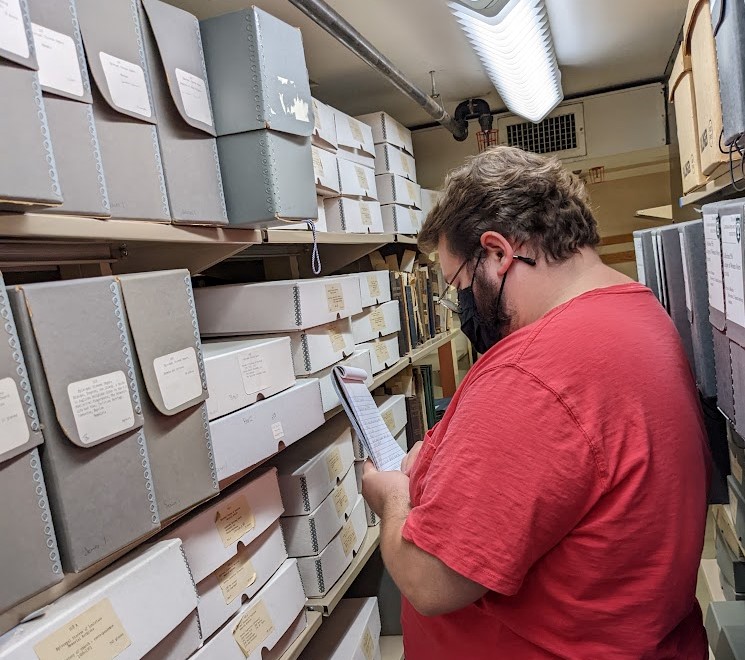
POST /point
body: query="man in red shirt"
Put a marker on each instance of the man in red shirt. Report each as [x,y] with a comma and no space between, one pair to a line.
[558,509]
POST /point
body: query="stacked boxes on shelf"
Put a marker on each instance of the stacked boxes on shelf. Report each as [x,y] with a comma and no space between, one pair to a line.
[395,170]
[352,631]
[376,328]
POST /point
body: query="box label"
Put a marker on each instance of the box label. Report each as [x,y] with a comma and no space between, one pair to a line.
[101,406]
[377,320]
[405,165]
[235,576]
[194,96]
[641,275]
[403,134]
[277,431]
[373,286]
[338,343]
[234,520]
[253,371]
[414,217]
[14,429]
[12,31]
[253,628]
[382,353]
[686,275]
[341,500]
[366,215]
[732,259]
[317,118]
[318,165]
[714,278]
[361,177]
[356,130]
[736,468]
[733,504]
[335,297]
[127,85]
[368,645]
[411,188]
[348,537]
[334,464]
[389,420]
[97,633]
[178,377]
[59,67]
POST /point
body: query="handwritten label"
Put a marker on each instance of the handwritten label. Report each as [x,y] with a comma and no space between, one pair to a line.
[382,353]
[97,633]
[411,187]
[338,343]
[714,262]
[59,67]
[14,429]
[377,320]
[732,260]
[335,297]
[234,520]
[127,85]
[356,130]
[406,165]
[317,118]
[178,377]
[361,177]
[389,420]
[277,431]
[348,537]
[194,96]
[101,406]
[12,31]
[639,252]
[253,371]
[403,134]
[373,286]
[366,215]
[341,500]
[414,217]
[368,645]
[334,464]
[318,165]
[253,628]
[235,576]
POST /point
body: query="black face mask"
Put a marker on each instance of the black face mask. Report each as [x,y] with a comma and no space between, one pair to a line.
[481,334]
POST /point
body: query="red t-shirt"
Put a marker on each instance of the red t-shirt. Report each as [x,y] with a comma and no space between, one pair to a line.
[569,477]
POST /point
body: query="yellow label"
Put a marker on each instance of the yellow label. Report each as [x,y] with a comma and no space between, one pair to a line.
[235,576]
[368,645]
[406,164]
[377,320]
[414,218]
[382,353]
[335,297]
[318,165]
[234,520]
[373,286]
[366,215]
[341,500]
[317,119]
[97,634]
[253,628]
[356,130]
[348,537]
[736,468]
[338,343]
[412,190]
[361,177]
[334,463]
[390,422]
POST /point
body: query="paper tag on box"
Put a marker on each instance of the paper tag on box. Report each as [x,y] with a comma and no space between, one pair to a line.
[235,576]
[389,420]
[335,297]
[368,645]
[373,286]
[317,118]
[382,353]
[318,165]
[411,187]
[414,217]
[377,320]
[366,215]
[194,96]
[403,133]
[101,406]
[234,520]
[127,85]
[277,431]
[254,371]
[406,165]
[348,537]
[178,377]
[253,628]
[733,504]
[354,127]
[334,464]
[59,67]
[14,429]
[361,177]
[732,261]
[12,31]
[341,500]
[96,633]
[338,343]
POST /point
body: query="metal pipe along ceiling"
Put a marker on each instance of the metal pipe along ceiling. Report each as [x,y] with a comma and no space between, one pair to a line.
[327,18]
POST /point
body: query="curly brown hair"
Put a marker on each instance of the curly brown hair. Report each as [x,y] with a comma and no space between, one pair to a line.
[530,199]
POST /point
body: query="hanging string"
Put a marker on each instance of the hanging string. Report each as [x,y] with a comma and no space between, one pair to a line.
[732,148]
[315,256]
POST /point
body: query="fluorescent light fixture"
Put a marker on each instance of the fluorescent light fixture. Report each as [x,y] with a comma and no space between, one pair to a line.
[513,41]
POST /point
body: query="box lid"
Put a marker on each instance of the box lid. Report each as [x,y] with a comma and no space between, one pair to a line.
[356,180]
[353,627]
[681,69]
[389,131]
[394,189]
[324,128]
[16,37]
[392,160]
[353,134]
[179,42]
[326,172]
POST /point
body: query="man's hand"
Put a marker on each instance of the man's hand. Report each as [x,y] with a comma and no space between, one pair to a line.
[408,463]
[385,490]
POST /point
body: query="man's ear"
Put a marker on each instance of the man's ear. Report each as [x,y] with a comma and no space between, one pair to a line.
[496,246]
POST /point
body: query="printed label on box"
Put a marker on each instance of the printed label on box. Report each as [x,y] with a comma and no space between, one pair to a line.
[714,262]
[253,371]
[354,127]
[253,628]
[366,215]
[335,297]
[59,67]
[373,286]
[341,500]
[234,520]
[96,633]
[318,165]
[377,320]
[178,377]
[334,463]
[686,276]
[194,96]
[127,85]
[12,31]
[368,645]
[639,251]
[277,431]
[389,420]
[14,429]
[361,177]
[382,353]
[338,343]
[235,576]
[101,406]
[732,260]
[348,537]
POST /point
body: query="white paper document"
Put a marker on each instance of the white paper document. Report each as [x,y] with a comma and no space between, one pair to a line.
[366,419]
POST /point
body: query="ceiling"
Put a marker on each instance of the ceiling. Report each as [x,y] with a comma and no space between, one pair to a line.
[599,44]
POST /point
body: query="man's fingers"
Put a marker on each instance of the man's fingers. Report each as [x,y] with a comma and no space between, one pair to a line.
[368,467]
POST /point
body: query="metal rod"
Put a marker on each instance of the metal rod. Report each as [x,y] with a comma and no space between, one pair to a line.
[327,18]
